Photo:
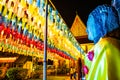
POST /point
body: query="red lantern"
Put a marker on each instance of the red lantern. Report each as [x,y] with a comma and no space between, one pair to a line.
[31,41]
[8,30]
[19,36]
[38,44]
[28,41]
[5,31]
[1,27]
[34,42]
[54,50]
[24,39]
[48,48]
[60,53]
[16,35]
[13,32]
[40,48]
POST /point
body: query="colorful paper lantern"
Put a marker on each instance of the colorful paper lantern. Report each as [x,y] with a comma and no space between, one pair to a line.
[90,55]
[85,69]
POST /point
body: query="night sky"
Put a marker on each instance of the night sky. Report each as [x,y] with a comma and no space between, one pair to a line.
[69,8]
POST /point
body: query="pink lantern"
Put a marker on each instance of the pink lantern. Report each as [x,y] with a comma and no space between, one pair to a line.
[90,55]
[85,69]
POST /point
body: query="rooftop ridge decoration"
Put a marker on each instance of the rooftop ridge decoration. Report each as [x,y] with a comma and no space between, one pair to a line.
[78,28]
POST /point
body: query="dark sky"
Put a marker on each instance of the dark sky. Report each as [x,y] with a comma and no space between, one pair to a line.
[68,8]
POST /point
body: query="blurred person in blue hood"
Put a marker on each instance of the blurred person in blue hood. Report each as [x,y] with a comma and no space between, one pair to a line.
[102,61]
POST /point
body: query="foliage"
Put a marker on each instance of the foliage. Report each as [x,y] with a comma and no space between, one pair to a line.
[63,70]
[0,71]
[16,73]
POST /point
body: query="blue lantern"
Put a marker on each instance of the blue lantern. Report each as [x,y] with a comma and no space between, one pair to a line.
[29,1]
[38,3]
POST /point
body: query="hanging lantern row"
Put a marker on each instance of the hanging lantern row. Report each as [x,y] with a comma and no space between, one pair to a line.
[60,25]
[24,40]
[28,18]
